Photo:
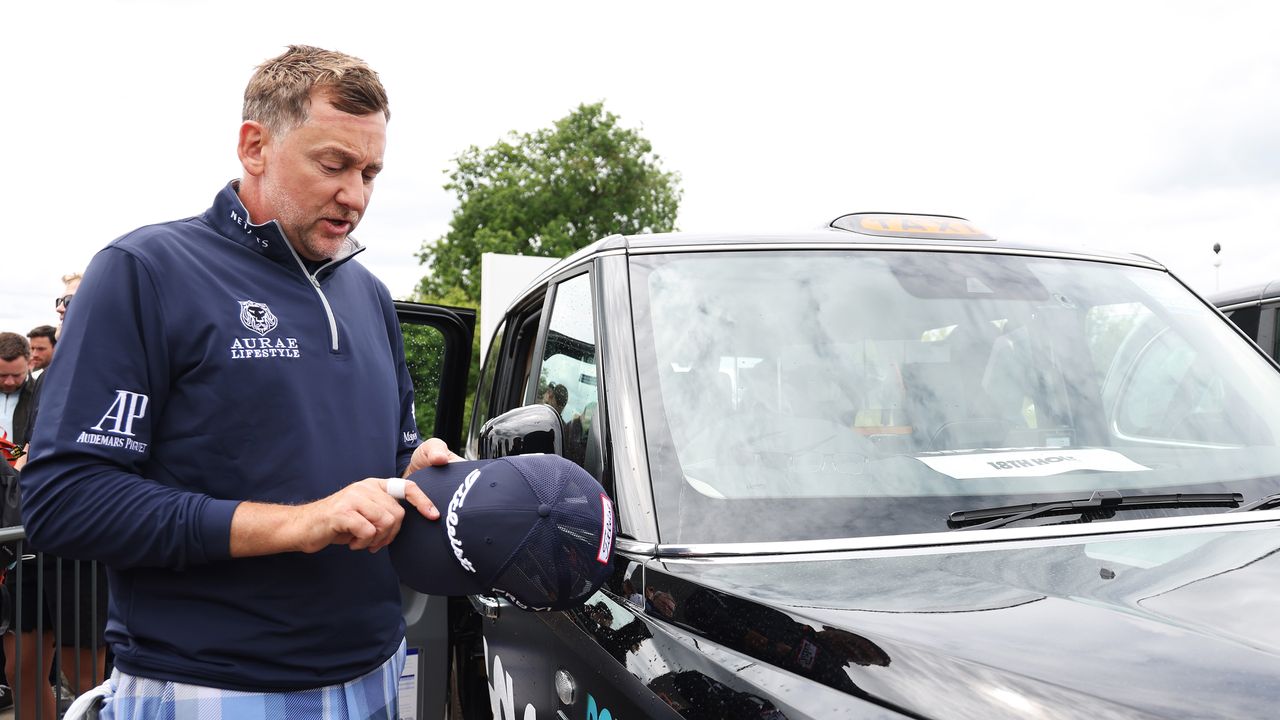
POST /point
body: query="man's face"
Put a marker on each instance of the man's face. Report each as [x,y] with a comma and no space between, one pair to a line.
[318,177]
[65,302]
[12,374]
[41,352]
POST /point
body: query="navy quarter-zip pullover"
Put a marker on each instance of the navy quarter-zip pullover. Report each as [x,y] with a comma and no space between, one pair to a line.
[204,365]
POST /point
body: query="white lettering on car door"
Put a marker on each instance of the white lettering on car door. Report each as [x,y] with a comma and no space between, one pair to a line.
[502,692]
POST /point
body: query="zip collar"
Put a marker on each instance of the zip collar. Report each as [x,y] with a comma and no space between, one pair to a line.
[230,219]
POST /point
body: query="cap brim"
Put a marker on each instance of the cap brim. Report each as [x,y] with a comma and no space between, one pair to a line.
[422,554]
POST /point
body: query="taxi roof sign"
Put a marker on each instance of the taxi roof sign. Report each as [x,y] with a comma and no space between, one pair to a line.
[910,225]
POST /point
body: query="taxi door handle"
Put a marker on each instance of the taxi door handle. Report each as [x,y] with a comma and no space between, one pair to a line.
[489,607]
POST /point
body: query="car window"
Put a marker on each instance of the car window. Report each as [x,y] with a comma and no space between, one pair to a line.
[1273,347]
[520,381]
[1246,318]
[484,402]
[424,348]
[437,347]
[568,376]
[836,394]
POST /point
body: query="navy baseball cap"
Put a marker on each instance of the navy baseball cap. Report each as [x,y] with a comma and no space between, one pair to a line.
[535,529]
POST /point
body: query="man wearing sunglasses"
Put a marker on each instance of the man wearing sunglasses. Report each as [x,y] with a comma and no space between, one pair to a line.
[71,283]
[79,590]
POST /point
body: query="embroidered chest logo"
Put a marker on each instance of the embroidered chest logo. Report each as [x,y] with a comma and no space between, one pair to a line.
[116,429]
[258,318]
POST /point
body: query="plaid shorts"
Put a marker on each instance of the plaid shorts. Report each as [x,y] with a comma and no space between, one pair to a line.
[370,697]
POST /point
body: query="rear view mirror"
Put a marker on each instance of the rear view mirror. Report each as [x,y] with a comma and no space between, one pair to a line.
[522,431]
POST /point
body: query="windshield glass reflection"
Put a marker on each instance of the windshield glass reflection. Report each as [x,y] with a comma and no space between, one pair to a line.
[804,395]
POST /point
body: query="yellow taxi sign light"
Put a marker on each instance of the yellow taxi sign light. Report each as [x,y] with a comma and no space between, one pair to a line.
[910,225]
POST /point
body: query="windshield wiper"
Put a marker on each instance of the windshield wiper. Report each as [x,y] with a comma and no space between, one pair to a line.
[1266,502]
[1100,500]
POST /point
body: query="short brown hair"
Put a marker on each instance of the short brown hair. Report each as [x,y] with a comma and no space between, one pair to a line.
[45,331]
[13,346]
[279,93]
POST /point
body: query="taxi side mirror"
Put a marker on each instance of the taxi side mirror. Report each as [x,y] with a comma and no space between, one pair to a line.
[522,431]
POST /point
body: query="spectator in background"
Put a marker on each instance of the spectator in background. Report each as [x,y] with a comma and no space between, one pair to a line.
[576,432]
[71,283]
[557,396]
[16,409]
[42,340]
[79,590]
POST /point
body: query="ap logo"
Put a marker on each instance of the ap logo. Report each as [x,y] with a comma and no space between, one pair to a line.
[124,410]
[257,317]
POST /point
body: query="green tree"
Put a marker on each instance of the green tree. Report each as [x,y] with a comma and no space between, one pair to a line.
[548,193]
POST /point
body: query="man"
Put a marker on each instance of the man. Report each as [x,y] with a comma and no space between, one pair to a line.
[42,340]
[70,283]
[15,390]
[187,432]
[66,596]
[557,396]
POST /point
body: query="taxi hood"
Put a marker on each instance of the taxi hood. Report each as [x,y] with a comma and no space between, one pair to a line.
[1162,624]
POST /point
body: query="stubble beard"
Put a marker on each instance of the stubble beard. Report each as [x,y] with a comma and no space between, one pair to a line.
[303,232]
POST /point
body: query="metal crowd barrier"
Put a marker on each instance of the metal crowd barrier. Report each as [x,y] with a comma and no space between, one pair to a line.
[67,670]
[423,686]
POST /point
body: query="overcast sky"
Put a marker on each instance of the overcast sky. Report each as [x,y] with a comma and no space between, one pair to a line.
[1150,127]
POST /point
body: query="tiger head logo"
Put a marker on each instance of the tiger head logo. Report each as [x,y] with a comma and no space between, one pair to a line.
[257,317]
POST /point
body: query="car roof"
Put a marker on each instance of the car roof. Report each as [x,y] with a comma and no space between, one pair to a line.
[842,238]
[1247,295]
[819,239]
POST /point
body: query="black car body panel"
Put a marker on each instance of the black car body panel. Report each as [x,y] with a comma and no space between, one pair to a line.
[1105,627]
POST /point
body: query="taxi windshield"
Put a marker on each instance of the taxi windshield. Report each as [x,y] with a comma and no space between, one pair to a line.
[828,394]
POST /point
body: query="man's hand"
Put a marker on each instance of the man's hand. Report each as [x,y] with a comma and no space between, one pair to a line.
[362,516]
[431,452]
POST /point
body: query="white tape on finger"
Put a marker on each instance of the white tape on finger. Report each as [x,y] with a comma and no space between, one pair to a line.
[395,488]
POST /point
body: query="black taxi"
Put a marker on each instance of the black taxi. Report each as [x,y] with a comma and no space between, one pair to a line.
[894,468]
